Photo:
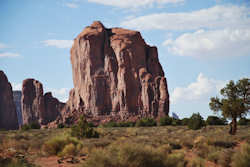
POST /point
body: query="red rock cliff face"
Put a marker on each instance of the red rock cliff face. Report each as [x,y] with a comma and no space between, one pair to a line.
[32,101]
[8,115]
[37,107]
[116,73]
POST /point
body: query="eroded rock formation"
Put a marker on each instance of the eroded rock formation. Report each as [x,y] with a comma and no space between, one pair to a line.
[115,73]
[37,107]
[17,96]
[8,116]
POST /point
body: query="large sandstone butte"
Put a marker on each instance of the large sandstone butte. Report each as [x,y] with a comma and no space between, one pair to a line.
[8,116]
[36,106]
[115,73]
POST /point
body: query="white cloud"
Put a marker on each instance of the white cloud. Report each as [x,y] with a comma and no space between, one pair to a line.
[134,3]
[71,5]
[211,18]
[16,86]
[202,89]
[211,43]
[58,43]
[3,46]
[9,54]
[61,93]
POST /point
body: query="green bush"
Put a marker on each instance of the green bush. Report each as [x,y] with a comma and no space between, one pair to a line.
[176,122]
[196,122]
[82,130]
[126,124]
[241,158]
[184,121]
[146,122]
[213,120]
[244,121]
[117,124]
[165,121]
[61,145]
[33,125]
[133,155]
[60,125]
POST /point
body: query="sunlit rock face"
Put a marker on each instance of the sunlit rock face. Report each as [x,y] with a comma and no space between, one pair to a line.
[8,115]
[116,74]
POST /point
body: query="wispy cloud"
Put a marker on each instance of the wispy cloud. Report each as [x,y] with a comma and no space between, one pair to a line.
[3,46]
[135,3]
[9,54]
[217,17]
[60,93]
[71,5]
[58,43]
[16,86]
[202,89]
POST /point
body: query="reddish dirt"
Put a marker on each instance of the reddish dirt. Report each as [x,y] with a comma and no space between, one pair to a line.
[53,161]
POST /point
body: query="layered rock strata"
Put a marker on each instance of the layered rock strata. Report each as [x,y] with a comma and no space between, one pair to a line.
[116,74]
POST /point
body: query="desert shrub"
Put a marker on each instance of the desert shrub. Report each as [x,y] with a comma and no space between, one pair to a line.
[241,158]
[69,149]
[61,145]
[184,121]
[213,120]
[214,156]
[133,155]
[60,125]
[196,122]
[82,130]
[146,122]
[176,122]
[33,125]
[91,124]
[118,124]
[126,124]
[165,121]
[109,124]
[197,162]
[244,121]
[14,162]
[225,157]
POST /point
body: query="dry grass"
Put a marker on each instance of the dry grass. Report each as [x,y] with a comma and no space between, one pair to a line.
[211,143]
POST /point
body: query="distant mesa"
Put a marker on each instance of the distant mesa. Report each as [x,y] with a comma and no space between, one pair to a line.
[175,116]
[17,95]
[8,115]
[36,106]
[116,75]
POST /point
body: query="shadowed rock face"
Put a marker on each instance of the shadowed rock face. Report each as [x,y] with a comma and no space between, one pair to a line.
[116,73]
[17,95]
[8,116]
[37,107]
[52,108]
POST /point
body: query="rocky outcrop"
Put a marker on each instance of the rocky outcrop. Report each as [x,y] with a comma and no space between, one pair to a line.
[52,108]
[17,96]
[32,101]
[115,73]
[37,107]
[8,116]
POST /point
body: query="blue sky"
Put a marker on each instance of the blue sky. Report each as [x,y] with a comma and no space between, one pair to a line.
[201,44]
